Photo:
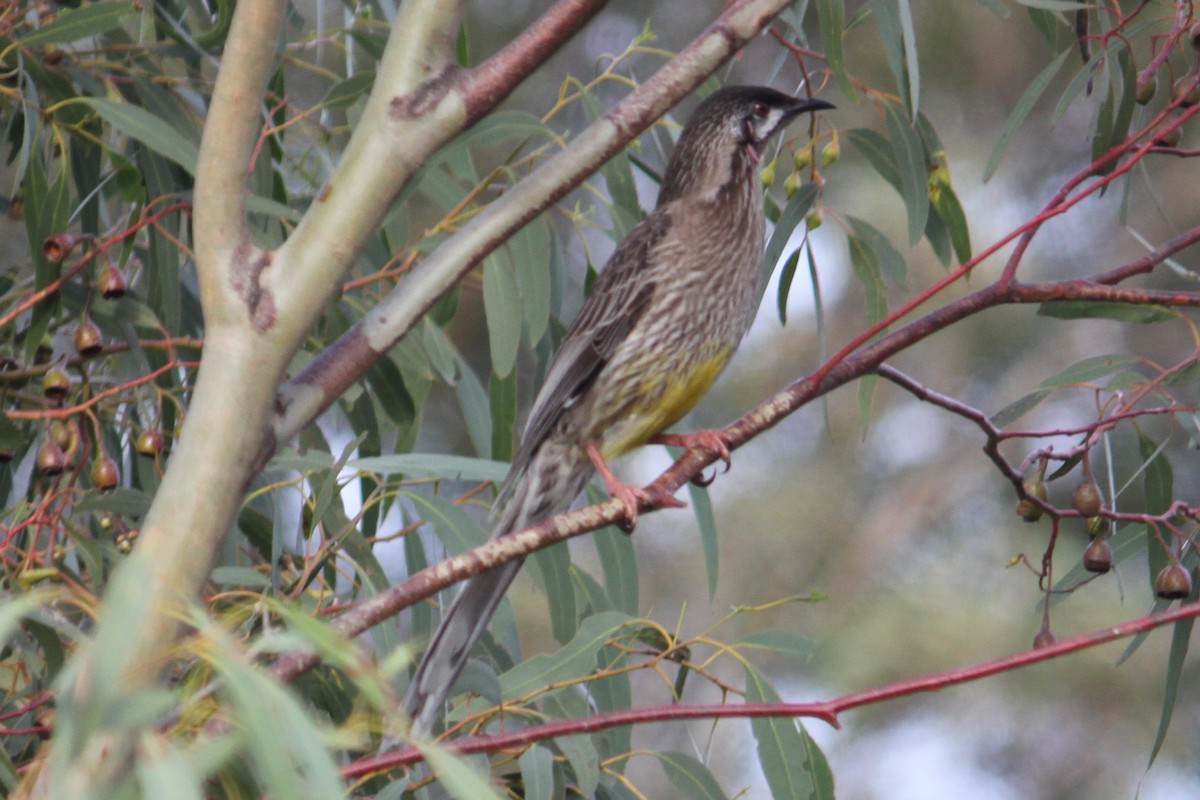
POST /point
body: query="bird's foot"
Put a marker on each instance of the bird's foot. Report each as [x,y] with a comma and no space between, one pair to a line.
[715,442]
[632,497]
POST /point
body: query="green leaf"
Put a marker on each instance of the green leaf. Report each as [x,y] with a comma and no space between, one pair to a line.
[574,660]
[831,17]
[502,303]
[433,465]
[893,18]
[455,774]
[584,760]
[1125,312]
[142,126]
[1158,480]
[457,529]
[891,263]
[709,541]
[1018,408]
[618,560]
[552,572]
[779,743]
[785,284]
[945,203]
[793,214]
[782,642]
[874,146]
[690,778]
[11,436]
[866,267]
[163,771]
[1089,369]
[1055,5]
[1181,636]
[537,773]
[914,172]
[1021,111]
[79,23]
[346,92]
[530,249]
[502,397]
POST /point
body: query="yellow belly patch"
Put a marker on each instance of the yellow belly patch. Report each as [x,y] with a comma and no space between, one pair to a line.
[679,395]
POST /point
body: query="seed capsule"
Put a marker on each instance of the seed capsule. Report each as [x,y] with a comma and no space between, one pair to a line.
[149,443]
[1087,499]
[1096,526]
[1147,91]
[1034,486]
[1098,557]
[88,339]
[1186,91]
[105,473]
[1173,583]
[112,283]
[51,460]
[56,383]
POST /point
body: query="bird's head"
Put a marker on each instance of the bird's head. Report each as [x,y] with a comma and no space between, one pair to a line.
[731,127]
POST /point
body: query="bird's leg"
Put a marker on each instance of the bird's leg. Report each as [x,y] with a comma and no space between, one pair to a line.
[716,442]
[627,493]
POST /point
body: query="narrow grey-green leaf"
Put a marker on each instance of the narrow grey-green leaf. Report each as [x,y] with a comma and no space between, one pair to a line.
[891,264]
[793,214]
[144,127]
[537,773]
[502,304]
[1056,5]
[1125,312]
[457,529]
[619,564]
[782,642]
[1089,369]
[945,203]
[831,17]
[1181,636]
[456,775]
[1021,111]
[914,172]
[690,778]
[709,541]
[780,745]
[79,23]
[874,146]
[574,660]
[433,465]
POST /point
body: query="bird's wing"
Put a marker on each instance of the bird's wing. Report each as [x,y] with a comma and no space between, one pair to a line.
[618,299]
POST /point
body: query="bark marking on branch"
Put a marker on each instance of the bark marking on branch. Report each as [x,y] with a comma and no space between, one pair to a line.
[427,95]
[246,268]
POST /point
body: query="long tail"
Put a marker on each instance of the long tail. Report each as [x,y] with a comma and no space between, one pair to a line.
[555,475]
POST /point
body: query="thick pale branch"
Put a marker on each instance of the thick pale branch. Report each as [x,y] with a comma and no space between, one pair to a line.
[347,359]
[230,129]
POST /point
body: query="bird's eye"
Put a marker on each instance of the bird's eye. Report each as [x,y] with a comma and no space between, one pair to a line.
[760,110]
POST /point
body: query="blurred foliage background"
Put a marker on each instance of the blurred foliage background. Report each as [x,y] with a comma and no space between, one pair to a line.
[893,524]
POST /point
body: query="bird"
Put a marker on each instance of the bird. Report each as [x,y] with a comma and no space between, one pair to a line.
[662,320]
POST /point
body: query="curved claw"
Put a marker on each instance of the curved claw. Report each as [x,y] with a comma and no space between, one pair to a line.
[716,442]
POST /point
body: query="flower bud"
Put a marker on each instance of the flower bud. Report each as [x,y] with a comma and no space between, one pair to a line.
[802,158]
[1147,91]
[832,151]
[150,443]
[767,176]
[791,185]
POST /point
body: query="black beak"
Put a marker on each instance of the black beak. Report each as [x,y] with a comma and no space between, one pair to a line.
[808,105]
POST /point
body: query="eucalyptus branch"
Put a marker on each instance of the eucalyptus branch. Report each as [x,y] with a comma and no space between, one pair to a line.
[827,711]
